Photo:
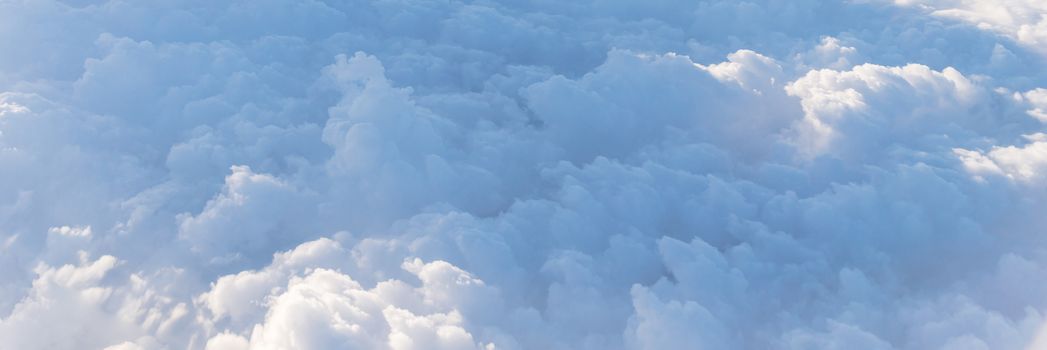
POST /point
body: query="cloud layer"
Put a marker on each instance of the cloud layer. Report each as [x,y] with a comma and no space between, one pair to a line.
[413,174]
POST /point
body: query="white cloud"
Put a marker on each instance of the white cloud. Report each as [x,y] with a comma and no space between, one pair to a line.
[1038,100]
[322,308]
[414,174]
[78,308]
[77,231]
[228,228]
[1021,20]
[1027,163]
[863,112]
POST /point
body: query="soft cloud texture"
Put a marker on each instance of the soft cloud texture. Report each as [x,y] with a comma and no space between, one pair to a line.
[1021,20]
[602,174]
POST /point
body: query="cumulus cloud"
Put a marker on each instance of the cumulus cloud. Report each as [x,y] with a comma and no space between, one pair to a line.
[870,107]
[1021,20]
[253,213]
[522,175]
[325,308]
[1026,163]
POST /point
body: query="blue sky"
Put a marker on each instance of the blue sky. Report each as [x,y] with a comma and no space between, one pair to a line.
[527,174]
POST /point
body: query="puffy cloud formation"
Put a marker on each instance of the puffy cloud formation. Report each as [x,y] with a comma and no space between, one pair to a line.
[604,174]
[1021,20]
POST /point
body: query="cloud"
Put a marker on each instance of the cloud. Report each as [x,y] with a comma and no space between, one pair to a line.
[1023,21]
[79,309]
[325,308]
[413,174]
[228,229]
[857,112]
[1019,163]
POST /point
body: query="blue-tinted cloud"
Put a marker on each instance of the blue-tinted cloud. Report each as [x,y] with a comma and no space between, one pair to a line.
[412,174]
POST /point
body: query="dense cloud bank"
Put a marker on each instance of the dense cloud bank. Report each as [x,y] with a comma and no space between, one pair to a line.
[604,174]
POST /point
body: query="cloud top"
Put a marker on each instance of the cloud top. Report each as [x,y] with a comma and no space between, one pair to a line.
[522,174]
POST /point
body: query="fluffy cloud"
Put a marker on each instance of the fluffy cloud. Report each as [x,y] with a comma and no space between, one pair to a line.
[325,308]
[869,107]
[1027,163]
[417,174]
[228,228]
[1021,20]
[79,308]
